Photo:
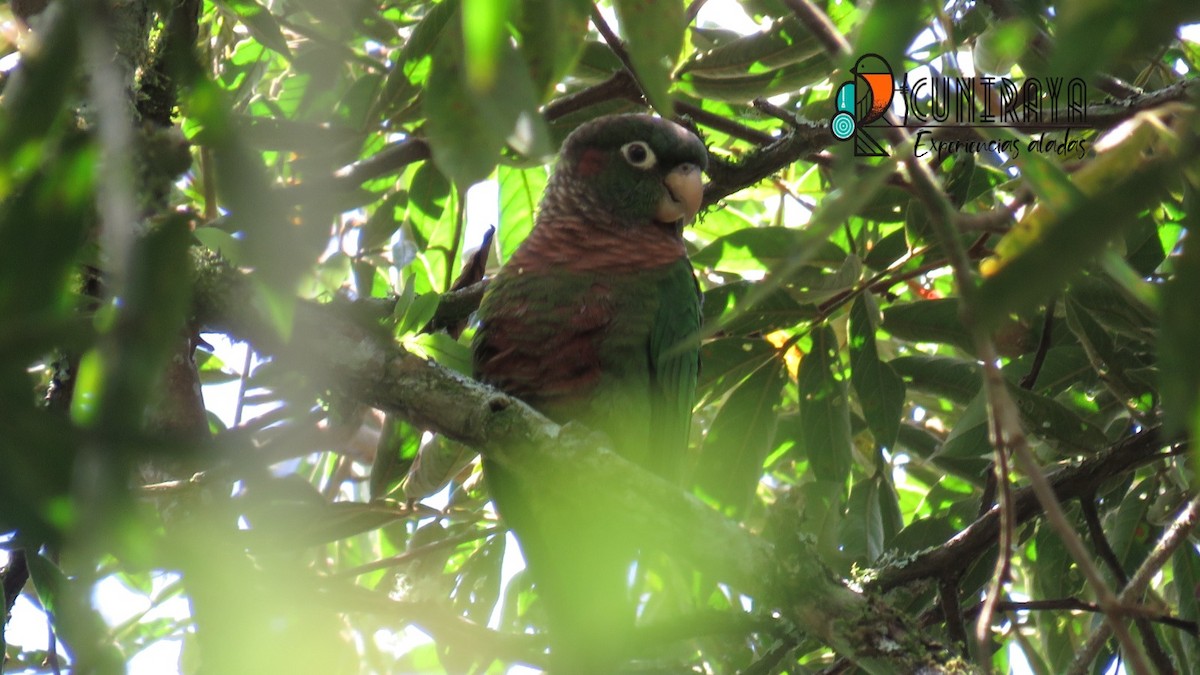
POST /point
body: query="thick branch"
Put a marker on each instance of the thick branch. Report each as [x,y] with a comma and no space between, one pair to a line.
[336,351]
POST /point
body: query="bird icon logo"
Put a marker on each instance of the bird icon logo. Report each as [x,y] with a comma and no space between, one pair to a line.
[861,101]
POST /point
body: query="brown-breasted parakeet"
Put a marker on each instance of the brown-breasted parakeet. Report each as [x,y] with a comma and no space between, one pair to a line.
[594,320]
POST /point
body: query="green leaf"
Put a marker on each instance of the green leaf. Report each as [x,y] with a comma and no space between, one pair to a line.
[469,127]
[918,441]
[220,241]
[394,454]
[888,29]
[484,32]
[887,206]
[785,42]
[1056,575]
[437,463]
[1186,567]
[880,390]
[956,379]
[43,227]
[259,22]
[729,361]
[444,349]
[761,248]
[466,147]
[872,519]
[1116,311]
[740,438]
[520,191]
[411,69]
[928,321]
[1179,365]
[1047,418]
[727,308]
[1130,532]
[1145,249]
[998,48]
[810,288]
[552,35]
[887,250]
[51,583]
[75,623]
[36,100]
[477,593]
[653,33]
[417,313]
[824,409]
[384,220]
[967,449]
[1068,243]
[745,88]
[1110,364]
[1089,37]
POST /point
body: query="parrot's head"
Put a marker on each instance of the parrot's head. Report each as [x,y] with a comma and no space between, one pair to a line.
[629,171]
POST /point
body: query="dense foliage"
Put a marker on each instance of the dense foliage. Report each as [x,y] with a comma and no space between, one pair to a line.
[897,349]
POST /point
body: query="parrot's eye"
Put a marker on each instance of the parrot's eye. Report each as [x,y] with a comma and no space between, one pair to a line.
[638,154]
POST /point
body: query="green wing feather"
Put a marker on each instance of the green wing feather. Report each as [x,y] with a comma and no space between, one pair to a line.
[675,365]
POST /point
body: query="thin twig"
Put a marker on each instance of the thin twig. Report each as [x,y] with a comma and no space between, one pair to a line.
[951,610]
[1070,539]
[723,124]
[818,23]
[1003,570]
[1154,650]
[988,498]
[620,85]
[387,161]
[1171,539]
[1087,504]
[995,221]
[693,10]
[408,556]
[456,240]
[1075,604]
[1039,357]
[617,46]
[763,105]
[243,382]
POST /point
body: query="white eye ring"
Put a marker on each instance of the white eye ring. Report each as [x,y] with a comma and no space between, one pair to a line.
[638,154]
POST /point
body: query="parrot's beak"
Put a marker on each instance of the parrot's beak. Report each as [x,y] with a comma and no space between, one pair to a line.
[684,192]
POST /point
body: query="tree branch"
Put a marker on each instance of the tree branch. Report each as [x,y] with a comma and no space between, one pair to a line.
[1171,539]
[360,361]
[1091,517]
[1074,604]
[1070,482]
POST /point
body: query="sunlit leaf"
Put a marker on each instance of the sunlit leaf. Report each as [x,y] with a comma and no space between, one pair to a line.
[653,33]
[880,390]
[740,437]
[259,21]
[824,409]
[484,32]
[520,191]
[1179,366]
